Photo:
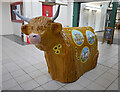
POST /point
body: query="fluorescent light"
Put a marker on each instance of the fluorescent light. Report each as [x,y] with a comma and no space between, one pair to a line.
[92,8]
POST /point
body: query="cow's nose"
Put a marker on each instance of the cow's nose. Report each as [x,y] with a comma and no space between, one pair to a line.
[34,38]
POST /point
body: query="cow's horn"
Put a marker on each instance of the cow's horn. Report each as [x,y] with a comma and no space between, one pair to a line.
[56,14]
[20,16]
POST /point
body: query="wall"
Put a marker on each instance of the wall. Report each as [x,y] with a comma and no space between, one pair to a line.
[0,18]
[83,20]
[66,14]
[17,28]
[62,18]
[103,15]
[6,22]
[94,19]
[31,9]
[9,27]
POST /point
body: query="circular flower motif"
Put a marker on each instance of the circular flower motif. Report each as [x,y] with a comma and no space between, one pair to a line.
[77,37]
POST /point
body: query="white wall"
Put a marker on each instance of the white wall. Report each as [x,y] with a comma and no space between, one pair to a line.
[70,14]
[66,14]
[17,28]
[93,19]
[0,18]
[103,15]
[36,9]
[33,8]
[9,27]
[83,20]
[62,18]
[6,22]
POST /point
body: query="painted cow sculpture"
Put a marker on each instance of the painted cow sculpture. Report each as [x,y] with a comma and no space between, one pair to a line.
[69,51]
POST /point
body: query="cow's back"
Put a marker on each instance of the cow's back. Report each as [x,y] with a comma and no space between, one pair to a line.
[85,53]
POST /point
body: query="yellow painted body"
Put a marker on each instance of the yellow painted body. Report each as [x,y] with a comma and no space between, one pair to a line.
[63,55]
[66,67]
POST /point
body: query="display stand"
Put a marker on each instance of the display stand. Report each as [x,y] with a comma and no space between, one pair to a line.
[108,34]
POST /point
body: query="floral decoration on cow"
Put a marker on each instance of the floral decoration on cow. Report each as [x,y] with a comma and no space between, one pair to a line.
[90,37]
[84,54]
[77,37]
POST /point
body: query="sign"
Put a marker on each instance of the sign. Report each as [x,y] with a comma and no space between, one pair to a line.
[108,34]
[18,7]
[47,10]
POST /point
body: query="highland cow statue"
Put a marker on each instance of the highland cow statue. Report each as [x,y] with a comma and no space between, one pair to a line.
[69,51]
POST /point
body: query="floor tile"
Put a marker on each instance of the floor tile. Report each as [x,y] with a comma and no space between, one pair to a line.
[84,81]
[17,87]
[4,70]
[51,85]
[18,73]
[22,63]
[24,67]
[91,76]
[109,76]
[113,71]
[113,87]
[6,77]
[29,85]
[11,67]
[73,86]
[23,78]
[94,86]
[116,81]
[103,82]
[6,61]
[39,88]
[29,69]
[36,73]
[60,83]
[8,84]
[42,79]
[62,88]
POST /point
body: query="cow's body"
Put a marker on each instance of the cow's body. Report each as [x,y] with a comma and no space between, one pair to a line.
[66,66]
[69,52]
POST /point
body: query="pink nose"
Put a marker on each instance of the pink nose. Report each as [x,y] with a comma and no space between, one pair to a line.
[34,38]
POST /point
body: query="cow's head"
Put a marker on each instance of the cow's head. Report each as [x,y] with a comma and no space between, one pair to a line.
[41,29]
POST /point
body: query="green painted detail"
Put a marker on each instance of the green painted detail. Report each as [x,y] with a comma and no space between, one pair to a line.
[113,17]
[75,48]
[75,13]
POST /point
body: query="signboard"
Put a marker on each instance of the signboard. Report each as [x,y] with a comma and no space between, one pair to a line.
[47,10]
[18,7]
[108,34]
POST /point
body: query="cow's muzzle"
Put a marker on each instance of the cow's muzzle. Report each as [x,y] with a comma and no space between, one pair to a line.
[34,38]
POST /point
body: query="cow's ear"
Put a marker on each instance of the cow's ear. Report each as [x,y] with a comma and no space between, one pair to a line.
[56,27]
[26,29]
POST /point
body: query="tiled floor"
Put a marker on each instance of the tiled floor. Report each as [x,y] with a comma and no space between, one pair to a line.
[24,68]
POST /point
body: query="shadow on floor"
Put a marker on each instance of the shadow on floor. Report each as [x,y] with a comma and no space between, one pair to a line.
[16,39]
